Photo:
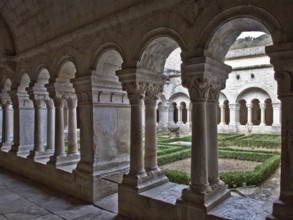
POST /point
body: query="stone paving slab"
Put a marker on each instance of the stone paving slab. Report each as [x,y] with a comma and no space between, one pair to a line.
[168,193]
[23,199]
[241,209]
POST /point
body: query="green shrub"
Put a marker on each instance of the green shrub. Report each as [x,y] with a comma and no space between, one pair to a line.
[244,155]
[255,177]
[168,150]
[168,158]
[234,179]
[176,176]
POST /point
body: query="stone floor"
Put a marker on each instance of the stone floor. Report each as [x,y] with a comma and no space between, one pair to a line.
[22,199]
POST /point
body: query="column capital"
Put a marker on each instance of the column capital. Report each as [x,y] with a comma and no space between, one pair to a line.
[39,100]
[152,94]
[58,102]
[216,86]
[50,103]
[281,56]
[234,106]
[72,101]
[262,105]
[198,88]
[249,105]
[135,91]
[276,105]
[222,105]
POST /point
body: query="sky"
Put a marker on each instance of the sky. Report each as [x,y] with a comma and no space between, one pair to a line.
[250,34]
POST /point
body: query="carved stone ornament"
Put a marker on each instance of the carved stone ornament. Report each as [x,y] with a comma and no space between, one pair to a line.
[72,101]
[285,82]
[152,93]
[59,102]
[198,88]
[135,91]
[215,89]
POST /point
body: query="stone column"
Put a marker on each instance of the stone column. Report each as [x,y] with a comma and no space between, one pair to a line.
[276,114]
[187,115]
[150,132]
[72,125]
[281,56]
[262,114]
[50,126]
[212,140]
[38,132]
[163,119]
[136,93]
[171,114]
[6,129]
[249,113]
[198,90]
[180,109]
[204,87]
[234,114]
[223,122]
[59,151]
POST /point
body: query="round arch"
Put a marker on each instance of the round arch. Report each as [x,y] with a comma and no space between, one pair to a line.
[252,93]
[258,86]
[179,97]
[155,47]
[66,69]
[223,29]
[158,33]
[100,51]
[68,55]
[107,64]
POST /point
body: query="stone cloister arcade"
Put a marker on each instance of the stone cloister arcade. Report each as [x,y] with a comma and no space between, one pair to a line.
[103,68]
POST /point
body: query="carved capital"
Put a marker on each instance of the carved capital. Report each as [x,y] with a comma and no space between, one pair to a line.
[198,88]
[39,103]
[215,89]
[285,83]
[59,102]
[152,94]
[72,101]
[135,91]
[50,103]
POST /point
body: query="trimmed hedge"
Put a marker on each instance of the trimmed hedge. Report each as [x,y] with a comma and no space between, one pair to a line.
[234,179]
[180,154]
[168,158]
[176,176]
[168,150]
[255,140]
[242,155]
[260,173]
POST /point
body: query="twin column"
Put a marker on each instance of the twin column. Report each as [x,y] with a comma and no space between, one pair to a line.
[141,163]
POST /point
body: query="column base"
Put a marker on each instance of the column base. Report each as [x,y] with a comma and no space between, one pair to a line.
[196,205]
[21,150]
[144,181]
[63,160]
[35,155]
[5,146]
[96,182]
[282,211]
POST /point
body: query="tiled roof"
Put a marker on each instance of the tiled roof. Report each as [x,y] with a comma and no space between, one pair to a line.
[245,52]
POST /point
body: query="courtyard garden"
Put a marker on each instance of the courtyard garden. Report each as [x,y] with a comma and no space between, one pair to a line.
[243,160]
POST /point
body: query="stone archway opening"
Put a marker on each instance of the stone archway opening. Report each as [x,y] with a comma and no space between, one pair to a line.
[244,109]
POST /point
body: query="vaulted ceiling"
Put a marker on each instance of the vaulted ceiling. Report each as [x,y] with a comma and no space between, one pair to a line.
[33,22]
